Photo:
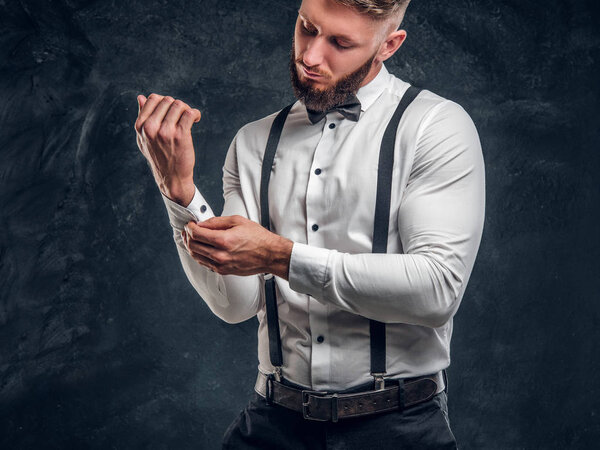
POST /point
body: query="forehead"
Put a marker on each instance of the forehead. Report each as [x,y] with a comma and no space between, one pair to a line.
[334,19]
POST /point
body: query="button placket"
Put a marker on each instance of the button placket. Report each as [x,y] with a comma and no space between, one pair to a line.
[316,202]
[315,199]
[320,348]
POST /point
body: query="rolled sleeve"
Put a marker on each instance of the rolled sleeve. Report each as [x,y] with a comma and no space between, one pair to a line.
[198,210]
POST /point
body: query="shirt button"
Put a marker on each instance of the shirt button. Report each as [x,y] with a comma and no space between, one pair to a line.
[332,125]
[320,339]
[203,208]
[318,171]
[315,227]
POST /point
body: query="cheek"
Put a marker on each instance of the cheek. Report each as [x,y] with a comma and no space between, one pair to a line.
[341,66]
[299,44]
[346,63]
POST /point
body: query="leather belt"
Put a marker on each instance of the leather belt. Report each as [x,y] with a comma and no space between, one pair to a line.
[327,406]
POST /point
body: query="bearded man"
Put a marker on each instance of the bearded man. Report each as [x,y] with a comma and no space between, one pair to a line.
[351,223]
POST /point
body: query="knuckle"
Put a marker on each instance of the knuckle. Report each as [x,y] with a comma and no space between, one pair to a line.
[179,103]
[150,129]
[154,96]
[222,258]
[165,133]
[168,99]
[222,241]
[179,133]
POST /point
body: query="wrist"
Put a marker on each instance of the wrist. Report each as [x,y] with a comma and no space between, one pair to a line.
[181,192]
[280,257]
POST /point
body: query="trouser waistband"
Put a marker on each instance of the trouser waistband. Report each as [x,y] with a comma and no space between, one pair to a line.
[332,406]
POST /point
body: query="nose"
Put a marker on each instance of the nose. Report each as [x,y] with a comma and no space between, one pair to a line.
[314,53]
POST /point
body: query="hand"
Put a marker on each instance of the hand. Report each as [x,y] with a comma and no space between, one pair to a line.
[163,133]
[234,245]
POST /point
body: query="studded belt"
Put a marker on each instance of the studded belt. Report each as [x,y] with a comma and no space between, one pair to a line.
[328,406]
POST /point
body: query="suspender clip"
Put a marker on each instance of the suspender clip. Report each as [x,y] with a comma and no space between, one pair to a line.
[379,381]
[277,374]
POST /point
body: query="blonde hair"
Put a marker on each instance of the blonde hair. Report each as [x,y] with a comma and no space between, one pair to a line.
[378,9]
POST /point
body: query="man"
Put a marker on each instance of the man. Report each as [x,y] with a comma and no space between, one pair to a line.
[371,215]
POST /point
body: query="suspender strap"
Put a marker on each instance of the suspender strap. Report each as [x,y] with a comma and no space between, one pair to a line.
[275,352]
[267,164]
[380,232]
[381,228]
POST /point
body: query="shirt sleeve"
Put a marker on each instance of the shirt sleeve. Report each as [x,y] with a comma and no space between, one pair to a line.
[232,298]
[440,224]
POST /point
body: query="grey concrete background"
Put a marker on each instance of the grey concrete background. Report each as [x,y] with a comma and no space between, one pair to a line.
[104,344]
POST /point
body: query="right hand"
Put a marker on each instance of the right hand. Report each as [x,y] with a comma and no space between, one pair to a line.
[163,134]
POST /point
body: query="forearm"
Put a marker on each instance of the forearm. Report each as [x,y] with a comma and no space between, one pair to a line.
[406,288]
[440,224]
[231,298]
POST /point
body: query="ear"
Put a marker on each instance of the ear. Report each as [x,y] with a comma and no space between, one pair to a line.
[392,43]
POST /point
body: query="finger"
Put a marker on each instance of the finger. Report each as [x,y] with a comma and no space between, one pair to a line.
[159,113]
[207,236]
[147,110]
[206,262]
[208,251]
[188,118]
[220,223]
[176,109]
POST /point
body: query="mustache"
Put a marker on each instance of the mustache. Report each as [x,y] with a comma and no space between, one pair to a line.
[312,69]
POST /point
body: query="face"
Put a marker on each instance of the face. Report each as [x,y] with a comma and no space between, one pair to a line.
[335,50]
[322,99]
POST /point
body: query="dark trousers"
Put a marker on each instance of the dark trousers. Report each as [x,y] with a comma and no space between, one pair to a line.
[261,426]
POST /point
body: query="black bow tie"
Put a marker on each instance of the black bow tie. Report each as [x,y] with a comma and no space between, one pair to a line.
[350,109]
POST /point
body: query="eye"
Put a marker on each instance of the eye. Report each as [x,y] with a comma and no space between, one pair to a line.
[307,29]
[340,46]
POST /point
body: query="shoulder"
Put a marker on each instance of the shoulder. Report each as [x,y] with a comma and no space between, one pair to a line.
[428,107]
[256,133]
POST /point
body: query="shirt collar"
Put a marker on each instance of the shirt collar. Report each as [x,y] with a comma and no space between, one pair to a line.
[368,93]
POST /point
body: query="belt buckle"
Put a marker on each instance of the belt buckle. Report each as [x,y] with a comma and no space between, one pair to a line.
[306,413]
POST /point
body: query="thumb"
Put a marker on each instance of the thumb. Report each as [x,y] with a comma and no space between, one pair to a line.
[218,223]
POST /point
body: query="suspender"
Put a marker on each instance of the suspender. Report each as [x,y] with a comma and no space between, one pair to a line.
[380,232]
[382,221]
[275,352]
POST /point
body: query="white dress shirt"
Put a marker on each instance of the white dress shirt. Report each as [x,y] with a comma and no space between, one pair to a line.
[322,196]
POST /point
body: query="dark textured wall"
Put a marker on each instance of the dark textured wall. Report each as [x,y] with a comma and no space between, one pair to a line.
[104,344]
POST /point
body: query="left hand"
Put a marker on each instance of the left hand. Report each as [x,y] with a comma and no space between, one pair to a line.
[234,245]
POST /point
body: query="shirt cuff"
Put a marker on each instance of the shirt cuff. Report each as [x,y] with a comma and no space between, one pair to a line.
[198,211]
[308,269]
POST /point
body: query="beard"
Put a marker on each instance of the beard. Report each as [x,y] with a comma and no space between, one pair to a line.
[325,99]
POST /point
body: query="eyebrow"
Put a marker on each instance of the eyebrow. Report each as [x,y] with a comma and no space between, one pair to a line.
[343,37]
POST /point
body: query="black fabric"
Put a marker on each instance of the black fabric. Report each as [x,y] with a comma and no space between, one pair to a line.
[267,165]
[382,216]
[422,427]
[378,343]
[275,352]
[350,109]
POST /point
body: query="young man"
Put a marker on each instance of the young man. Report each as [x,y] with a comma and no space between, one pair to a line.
[371,199]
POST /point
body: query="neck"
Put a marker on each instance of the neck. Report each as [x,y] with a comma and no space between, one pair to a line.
[375,68]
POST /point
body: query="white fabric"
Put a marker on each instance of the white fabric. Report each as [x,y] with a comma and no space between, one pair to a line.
[335,283]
